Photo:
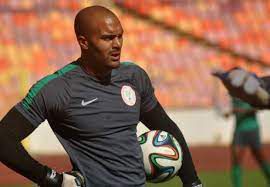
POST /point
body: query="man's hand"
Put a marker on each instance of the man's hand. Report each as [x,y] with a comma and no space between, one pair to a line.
[244,85]
[73,179]
[68,179]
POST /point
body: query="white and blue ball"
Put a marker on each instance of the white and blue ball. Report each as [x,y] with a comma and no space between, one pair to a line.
[162,155]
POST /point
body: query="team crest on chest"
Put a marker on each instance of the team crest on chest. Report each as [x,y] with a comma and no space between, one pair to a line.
[128,95]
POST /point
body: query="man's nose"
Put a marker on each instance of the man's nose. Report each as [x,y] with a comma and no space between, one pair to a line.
[117,42]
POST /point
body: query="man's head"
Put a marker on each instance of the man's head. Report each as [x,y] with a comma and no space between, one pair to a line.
[99,33]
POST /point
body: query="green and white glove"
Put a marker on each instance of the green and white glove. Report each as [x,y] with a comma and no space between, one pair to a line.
[244,85]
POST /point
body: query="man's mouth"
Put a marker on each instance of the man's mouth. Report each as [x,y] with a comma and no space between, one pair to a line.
[115,56]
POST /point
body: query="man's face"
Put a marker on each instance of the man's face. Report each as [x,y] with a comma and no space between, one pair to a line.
[105,43]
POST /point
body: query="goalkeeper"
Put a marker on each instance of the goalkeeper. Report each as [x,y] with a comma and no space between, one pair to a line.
[93,106]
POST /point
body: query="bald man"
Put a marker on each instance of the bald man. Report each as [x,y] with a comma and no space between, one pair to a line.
[93,106]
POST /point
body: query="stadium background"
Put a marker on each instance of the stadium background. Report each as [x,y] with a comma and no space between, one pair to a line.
[178,42]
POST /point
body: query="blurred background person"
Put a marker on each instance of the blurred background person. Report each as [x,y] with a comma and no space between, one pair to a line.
[246,136]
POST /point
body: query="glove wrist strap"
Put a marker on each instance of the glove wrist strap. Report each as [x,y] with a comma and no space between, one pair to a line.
[52,179]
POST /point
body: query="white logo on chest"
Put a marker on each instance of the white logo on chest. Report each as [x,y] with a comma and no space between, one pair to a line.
[128,95]
[84,103]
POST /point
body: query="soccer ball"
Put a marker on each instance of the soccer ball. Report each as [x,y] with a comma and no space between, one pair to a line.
[162,155]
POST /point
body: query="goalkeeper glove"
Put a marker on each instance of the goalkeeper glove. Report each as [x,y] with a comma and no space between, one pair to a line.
[245,85]
[67,179]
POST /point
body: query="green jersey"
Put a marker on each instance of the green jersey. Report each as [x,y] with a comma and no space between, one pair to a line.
[244,122]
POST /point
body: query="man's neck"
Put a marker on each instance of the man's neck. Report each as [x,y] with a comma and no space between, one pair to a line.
[92,70]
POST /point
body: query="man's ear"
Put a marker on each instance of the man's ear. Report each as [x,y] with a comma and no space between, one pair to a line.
[82,42]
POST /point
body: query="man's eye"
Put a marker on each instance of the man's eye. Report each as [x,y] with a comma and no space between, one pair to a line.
[108,38]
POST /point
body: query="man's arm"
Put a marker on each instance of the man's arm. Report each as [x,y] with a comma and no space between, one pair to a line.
[239,111]
[14,127]
[244,111]
[157,119]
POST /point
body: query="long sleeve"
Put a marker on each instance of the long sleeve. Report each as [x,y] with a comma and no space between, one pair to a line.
[14,127]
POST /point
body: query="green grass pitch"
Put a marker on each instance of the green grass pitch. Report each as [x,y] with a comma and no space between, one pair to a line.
[220,179]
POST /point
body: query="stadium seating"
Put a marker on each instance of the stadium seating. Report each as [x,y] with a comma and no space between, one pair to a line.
[227,25]
[37,38]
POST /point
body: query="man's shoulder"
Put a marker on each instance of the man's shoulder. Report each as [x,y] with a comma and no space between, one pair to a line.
[128,65]
[56,80]
[67,69]
[131,67]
